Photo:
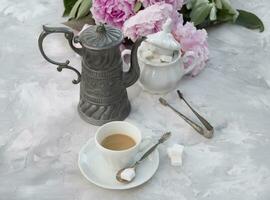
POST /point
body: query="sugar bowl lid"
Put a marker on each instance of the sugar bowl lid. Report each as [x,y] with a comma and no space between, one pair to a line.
[100,37]
[164,39]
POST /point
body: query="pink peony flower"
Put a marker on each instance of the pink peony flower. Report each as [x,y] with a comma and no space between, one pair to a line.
[193,40]
[177,4]
[112,12]
[150,20]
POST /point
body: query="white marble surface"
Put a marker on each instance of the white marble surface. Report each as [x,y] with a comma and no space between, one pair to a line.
[41,132]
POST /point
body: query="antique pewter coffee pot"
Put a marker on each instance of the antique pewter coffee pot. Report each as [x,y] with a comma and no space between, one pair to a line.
[103,94]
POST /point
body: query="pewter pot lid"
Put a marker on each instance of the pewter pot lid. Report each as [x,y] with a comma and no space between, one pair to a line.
[100,37]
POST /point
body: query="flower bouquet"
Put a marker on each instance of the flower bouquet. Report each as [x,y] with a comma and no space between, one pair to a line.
[138,18]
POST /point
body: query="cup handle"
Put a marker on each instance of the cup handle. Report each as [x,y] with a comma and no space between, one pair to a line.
[185,59]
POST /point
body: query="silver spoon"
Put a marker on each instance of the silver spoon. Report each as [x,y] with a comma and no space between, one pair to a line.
[162,139]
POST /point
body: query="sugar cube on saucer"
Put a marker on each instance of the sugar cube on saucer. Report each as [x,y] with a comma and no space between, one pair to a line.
[175,153]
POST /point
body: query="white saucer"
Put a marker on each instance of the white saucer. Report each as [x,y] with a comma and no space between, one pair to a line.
[95,169]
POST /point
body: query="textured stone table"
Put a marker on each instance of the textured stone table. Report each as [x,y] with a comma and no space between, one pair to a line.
[41,132]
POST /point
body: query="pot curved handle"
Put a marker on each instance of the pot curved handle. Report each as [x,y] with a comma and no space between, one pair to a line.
[69,35]
[133,74]
[187,55]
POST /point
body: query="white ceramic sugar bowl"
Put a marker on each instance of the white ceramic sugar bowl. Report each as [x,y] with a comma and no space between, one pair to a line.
[161,63]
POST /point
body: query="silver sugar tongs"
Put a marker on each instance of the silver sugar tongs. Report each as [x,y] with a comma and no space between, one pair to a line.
[207,131]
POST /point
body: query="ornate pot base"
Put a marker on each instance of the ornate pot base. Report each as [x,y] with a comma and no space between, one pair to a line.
[103,114]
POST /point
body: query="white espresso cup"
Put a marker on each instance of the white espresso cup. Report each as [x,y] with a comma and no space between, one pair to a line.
[117,160]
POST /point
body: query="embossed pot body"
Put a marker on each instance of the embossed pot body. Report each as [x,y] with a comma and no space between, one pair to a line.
[161,78]
[103,95]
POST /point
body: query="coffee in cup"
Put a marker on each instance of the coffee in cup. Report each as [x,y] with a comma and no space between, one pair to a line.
[118,142]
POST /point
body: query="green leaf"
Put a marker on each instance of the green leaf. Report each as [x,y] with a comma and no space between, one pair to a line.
[226,5]
[137,6]
[80,9]
[249,20]
[225,16]
[68,4]
[200,12]
[213,13]
[84,9]
[218,4]
[74,10]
